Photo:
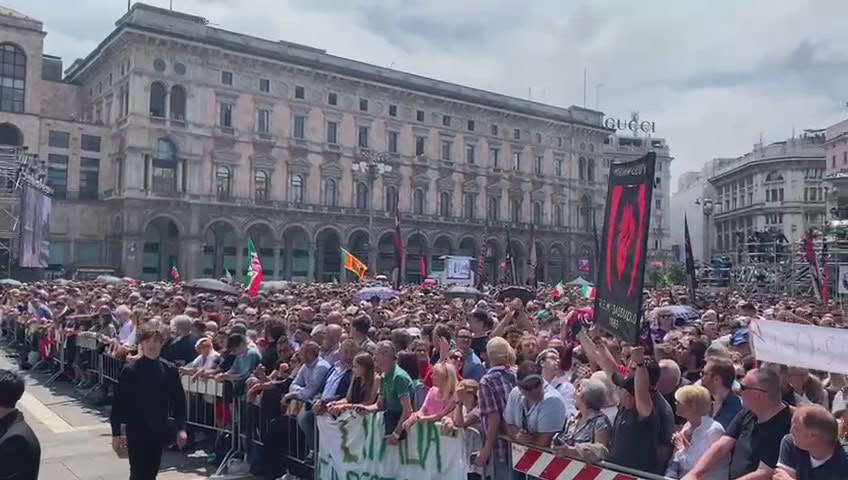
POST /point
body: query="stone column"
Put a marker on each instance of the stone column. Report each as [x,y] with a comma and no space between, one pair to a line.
[190,257]
[132,247]
[310,272]
[239,273]
[277,270]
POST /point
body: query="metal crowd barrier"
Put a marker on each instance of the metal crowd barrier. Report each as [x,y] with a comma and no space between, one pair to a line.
[246,423]
[58,354]
[530,462]
[205,396]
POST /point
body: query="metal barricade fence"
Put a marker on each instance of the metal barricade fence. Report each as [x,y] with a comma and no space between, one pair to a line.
[110,368]
[254,424]
[58,349]
[535,462]
[208,408]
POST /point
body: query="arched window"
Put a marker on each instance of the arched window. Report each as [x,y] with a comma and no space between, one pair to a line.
[515,211]
[158,93]
[590,171]
[418,201]
[391,199]
[537,213]
[223,181]
[586,213]
[262,184]
[12,78]
[493,212]
[361,196]
[178,102]
[581,168]
[558,215]
[445,204]
[166,150]
[330,193]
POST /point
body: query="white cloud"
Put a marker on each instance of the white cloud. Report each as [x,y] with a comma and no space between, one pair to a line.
[712,74]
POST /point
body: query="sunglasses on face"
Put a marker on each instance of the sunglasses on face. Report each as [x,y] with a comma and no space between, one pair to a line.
[457,357]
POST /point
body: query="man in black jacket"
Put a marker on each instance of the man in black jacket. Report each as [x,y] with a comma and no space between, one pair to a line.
[20,452]
[147,391]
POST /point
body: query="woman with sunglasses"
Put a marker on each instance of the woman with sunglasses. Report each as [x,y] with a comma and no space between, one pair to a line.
[587,434]
[440,400]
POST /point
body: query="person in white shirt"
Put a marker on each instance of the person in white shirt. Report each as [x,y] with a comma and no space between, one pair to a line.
[206,360]
[694,403]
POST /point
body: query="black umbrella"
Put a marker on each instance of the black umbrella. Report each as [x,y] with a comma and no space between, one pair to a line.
[523,293]
[211,285]
[458,291]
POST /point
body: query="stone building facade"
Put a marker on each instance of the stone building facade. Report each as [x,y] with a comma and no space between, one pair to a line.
[774,188]
[173,142]
[836,175]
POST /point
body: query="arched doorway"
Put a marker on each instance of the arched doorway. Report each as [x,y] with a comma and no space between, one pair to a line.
[586,263]
[441,247]
[329,255]
[416,250]
[219,250]
[386,256]
[357,245]
[263,239]
[556,265]
[11,135]
[296,254]
[492,262]
[161,249]
[467,248]
[519,260]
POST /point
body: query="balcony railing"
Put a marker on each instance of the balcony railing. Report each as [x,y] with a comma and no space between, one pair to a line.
[75,195]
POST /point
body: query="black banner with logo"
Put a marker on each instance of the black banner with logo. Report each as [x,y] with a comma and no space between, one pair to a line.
[627,220]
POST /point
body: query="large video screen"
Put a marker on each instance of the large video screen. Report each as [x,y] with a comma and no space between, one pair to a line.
[35,229]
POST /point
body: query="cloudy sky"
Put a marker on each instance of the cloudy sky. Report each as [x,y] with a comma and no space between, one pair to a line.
[714,74]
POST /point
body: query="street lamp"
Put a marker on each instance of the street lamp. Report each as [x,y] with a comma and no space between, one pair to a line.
[372,164]
[707,209]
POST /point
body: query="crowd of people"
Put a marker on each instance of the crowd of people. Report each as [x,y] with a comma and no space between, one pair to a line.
[692,404]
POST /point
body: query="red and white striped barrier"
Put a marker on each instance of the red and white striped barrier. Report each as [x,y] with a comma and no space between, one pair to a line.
[546,466]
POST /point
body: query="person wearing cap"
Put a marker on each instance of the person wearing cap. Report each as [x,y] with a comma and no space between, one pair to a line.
[644,425]
[739,343]
[534,410]
[246,358]
[811,451]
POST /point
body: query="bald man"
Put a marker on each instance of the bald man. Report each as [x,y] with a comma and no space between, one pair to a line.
[330,345]
[670,380]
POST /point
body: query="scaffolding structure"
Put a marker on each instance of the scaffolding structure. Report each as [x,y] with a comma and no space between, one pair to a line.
[18,169]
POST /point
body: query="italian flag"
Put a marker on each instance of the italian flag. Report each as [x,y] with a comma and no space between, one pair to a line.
[254,269]
[587,291]
[175,275]
[559,290]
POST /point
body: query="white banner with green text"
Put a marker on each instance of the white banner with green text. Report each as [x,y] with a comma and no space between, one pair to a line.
[354,447]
